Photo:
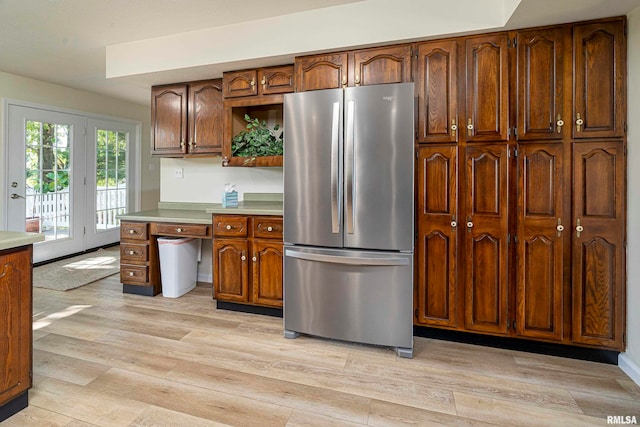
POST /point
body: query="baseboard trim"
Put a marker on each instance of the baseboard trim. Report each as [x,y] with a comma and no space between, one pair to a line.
[14,406]
[205,278]
[245,308]
[629,367]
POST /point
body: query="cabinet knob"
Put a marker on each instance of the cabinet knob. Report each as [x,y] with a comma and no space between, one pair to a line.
[243,258]
[470,128]
[559,124]
[253,83]
[560,227]
[357,80]
[344,81]
[131,252]
[263,82]
[579,228]
[469,224]
[454,224]
[182,144]
[254,259]
[579,122]
[454,127]
[269,228]
[131,274]
[132,231]
[229,227]
[192,144]
[178,230]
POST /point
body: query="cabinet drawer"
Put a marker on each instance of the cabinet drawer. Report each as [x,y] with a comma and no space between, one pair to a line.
[133,231]
[230,226]
[134,274]
[134,252]
[187,230]
[267,228]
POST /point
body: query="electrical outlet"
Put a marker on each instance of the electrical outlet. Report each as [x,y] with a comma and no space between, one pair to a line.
[178,173]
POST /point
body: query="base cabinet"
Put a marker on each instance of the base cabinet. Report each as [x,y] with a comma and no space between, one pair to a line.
[15,324]
[247,259]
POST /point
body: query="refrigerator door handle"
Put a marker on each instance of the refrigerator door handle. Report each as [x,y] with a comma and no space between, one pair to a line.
[349,260]
[336,197]
[350,165]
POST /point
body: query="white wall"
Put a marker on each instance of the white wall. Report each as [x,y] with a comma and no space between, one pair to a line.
[204,179]
[20,88]
[630,361]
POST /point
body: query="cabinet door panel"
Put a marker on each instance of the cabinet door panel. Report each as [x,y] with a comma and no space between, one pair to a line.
[321,72]
[487,90]
[437,235]
[267,273]
[240,83]
[541,218]
[485,239]
[437,88]
[276,80]
[205,117]
[230,261]
[382,65]
[169,120]
[544,84]
[599,55]
[598,248]
[15,322]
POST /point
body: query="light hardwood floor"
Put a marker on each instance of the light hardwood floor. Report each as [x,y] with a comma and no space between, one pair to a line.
[105,358]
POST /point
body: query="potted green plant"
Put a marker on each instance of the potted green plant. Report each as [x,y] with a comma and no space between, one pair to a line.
[257,140]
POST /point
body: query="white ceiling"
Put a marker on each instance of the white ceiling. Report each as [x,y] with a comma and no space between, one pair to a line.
[65,41]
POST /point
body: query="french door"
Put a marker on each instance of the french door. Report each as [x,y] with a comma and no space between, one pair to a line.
[68,178]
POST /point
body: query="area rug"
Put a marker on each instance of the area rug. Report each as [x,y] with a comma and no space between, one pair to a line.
[78,271]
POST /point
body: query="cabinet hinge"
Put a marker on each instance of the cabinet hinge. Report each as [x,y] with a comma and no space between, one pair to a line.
[515,238]
[515,41]
[508,133]
[84,230]
[415,313]
[515,152]
[416,148]
[509,43]
[513,325]
[515,132]
[625,127]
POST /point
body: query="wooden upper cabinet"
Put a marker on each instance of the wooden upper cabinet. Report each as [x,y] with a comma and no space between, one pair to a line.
[381,65]
[205,117]
[187,119]
[275,80]
[169,119]
[321,72]
[437,243]
[544,84]
[240,83]
[259,81]
[437,88]
[543,227]
[485,238]
[598,244]
[487,89]
[599,52]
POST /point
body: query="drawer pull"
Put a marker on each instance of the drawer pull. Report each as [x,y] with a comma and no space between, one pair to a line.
[178,230]
[132,231]
[131,274]
[243,258]
[229,227]
[269,228]
[254,259]
[132,253]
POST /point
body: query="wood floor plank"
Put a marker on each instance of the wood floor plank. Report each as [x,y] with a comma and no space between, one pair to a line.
[69,369]
[343,406]
[34,416]
[502,412]
[125,357]
[601,406]
[95,407]
[470,382]
[157,416]
[386,414]
[308,419]
[191,400]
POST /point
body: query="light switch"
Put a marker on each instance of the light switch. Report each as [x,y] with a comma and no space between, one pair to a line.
[178,172]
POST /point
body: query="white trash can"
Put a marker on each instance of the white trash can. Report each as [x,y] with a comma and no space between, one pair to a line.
[178,265]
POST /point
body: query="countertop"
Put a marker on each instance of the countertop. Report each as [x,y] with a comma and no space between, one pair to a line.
[14,239]
[200,213]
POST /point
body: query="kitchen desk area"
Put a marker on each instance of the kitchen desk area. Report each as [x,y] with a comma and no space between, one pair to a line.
[16,308]
[246,255]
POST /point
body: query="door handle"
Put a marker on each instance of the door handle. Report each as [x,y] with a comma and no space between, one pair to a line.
[335,170]
[350,166]
[16,196]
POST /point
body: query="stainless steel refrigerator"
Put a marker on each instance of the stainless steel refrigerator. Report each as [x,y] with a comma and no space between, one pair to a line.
[348,214]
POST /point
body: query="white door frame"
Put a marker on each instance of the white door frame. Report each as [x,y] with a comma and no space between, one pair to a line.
[134,155]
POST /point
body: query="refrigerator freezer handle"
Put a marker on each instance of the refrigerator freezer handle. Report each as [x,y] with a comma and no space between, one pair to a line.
[350,260]
[350,165]
[336,197]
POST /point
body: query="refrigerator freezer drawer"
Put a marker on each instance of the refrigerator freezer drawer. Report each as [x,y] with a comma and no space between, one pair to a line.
[358,296]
